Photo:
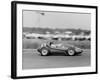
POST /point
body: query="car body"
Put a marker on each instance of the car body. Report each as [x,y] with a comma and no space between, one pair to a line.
[47,48]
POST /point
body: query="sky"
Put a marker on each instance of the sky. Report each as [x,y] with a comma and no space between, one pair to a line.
[56,20]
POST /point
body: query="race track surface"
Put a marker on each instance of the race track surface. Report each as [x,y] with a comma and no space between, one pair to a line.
[31,60]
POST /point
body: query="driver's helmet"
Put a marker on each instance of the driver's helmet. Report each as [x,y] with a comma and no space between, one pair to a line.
[50,43]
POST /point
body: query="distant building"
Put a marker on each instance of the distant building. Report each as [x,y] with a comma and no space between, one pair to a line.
[47,32]
[57,32]
[68,32]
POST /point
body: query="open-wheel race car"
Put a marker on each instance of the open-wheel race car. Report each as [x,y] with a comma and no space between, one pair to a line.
[47,48]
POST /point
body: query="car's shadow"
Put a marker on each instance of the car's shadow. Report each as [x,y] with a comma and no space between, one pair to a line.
[57,54]
[61,54]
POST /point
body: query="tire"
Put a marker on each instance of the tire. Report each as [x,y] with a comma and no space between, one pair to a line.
[71,51]
[44,52]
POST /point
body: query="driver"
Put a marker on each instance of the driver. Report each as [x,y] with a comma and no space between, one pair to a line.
[52,45]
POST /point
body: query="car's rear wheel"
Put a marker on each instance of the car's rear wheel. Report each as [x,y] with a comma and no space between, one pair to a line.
[44,52]
[71,51]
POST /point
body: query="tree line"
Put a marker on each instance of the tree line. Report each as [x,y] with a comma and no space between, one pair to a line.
[52,31]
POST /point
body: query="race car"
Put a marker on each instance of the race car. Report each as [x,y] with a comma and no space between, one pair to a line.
[47,48]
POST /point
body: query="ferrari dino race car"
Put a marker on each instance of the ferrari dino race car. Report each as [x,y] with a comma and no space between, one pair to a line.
[47,48]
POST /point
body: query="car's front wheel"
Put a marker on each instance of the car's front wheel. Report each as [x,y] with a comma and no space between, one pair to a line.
[44,52]
[71,51]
